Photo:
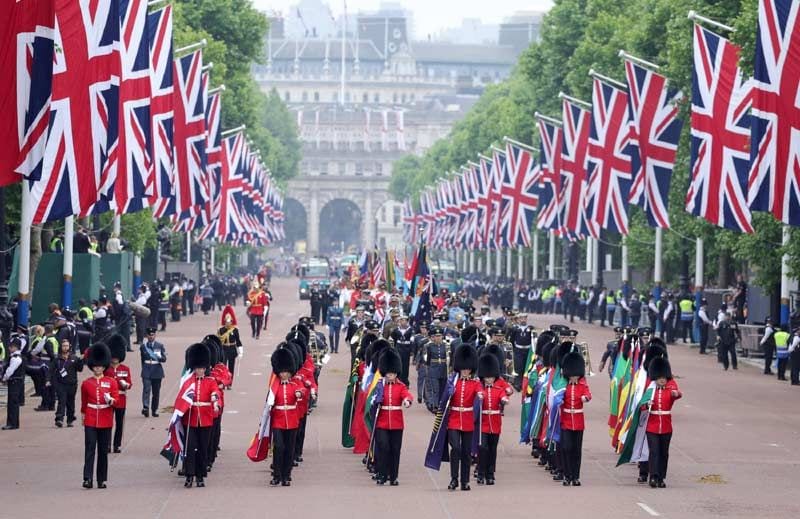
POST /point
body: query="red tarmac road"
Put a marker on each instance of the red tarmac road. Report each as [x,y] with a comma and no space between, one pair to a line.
[734,452]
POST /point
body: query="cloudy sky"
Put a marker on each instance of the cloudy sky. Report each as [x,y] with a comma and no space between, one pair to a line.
[430,16]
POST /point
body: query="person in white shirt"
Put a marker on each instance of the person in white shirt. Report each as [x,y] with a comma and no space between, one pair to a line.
[14,377]
[113,245]
[705,322]
[768,345]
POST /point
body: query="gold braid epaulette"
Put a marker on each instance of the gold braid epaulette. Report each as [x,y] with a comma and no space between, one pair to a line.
[224,337]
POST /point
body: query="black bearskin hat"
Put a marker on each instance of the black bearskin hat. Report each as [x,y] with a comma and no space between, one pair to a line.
[653,351]
[468,333]
[544,338]
[572,365]
[214,345]
[297,353]
[564,349]
[659,367]
[547,350]
[283,360]
[99,355]
[117,347]
[498,352]
[198,356]
[488,366]
[390,362]
[375,349]
[465,357]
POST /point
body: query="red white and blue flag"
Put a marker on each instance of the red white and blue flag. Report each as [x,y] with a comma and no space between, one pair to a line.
[774,182]
[576,122]
[162,199]
[484,186]
[496,173]
[720,156]
[609,162]
[655,131]
[520,198]
[550,138]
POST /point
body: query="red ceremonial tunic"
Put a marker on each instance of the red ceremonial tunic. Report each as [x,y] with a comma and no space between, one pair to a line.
[572,407]
[95,407]
[391,414]
[461,405]
[258,301]
[358,429]
[222,376]
[121,373]
[660,419]
[284,413]
[493,395]
[305,387]
[202,410]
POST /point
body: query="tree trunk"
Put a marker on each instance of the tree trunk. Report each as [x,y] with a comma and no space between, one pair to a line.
[36,254]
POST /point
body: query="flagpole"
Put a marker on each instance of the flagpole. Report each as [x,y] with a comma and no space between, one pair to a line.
[596,263]
[488,256]
[698,278]
[137,272]
[211,260]
[698,18]
[657,262]
[551,267]
[190,48]
[498,263]
[24,278]
[520,263]
[188,246]
[535,266]
[508,262]
[69,236]
[785,295]
[605,79]
[472,262]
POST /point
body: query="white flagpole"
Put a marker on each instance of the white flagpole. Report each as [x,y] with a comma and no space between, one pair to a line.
[69,236]
[24,277]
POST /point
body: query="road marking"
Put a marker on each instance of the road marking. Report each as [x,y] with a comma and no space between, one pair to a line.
[648,509]
[256,374]
[232,412]
[241,392]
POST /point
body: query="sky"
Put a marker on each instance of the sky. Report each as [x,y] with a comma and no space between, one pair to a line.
[430,16]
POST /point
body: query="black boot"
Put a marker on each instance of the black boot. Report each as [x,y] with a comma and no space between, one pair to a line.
[465,487]
[653,482]
[87,483]
[453,484]
[274,482]
[189,481]
[200,482]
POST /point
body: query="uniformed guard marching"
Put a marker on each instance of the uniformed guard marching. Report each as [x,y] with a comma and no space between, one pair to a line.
[436,360]
[389,423]
[496,392]
[98,394]
[659,421]
[229,336]
[572,423]
[461,418]
[153,354]
[284,420]
[403,337]
[335,320]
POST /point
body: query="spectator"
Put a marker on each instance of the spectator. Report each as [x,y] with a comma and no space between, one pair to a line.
[113,245]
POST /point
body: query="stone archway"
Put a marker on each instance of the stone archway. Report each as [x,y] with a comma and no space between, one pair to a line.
[295,222]
[340,222]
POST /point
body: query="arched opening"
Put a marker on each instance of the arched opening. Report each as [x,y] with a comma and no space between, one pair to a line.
[339,227]
[295,225]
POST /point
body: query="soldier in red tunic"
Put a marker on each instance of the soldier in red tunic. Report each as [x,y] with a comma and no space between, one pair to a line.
[495,396]
[659,421]
[98,394]
[198,419]
[122,374]
[461,419]
[572,424]
[223,378]
[389,424]
[284,420]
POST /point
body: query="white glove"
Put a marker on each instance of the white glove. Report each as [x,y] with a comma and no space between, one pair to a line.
[240,351]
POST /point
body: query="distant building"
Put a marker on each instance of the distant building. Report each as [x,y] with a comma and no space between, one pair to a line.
[521,29]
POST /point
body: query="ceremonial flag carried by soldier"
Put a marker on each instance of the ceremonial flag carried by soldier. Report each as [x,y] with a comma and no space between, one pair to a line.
[259,446]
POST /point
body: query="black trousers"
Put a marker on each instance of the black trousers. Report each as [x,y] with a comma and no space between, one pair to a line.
[669,330]
[48,397]
[769,355]
[16,392]
[301,438]
[782,363]
[658,444]
[230,359]
[703,337]
[389,442]
[333,339]
[686,330]
[283,445]
[405,362]
[460,454]
[726,350]
[213,444]
[520,357]
[487,454]
[195,462]
[66,401]
[794,361]
[316,310]
[610,317]
[151,386]
[635,320]
[256,322]
[96,441]
[572,445]
[119,426]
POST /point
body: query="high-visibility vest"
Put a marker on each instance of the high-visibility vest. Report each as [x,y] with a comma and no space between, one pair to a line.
[87,311]
[782,343]
[55,244]
[687,314]
[611,301]
[52,344]
[2,352]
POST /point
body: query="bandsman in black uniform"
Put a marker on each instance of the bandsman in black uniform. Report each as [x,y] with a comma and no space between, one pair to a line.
[420,343]
[436,355]
[521,339]
[612,350]
[355,323]
[498,337]
[403,337]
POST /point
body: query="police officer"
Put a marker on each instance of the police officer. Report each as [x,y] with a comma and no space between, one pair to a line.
[14,377]
[768,345]
[47,354]
[153,354]
[334,321]
[782,346]
[403,337]
[686,306]
[705,322]
[436,360]
[794,357]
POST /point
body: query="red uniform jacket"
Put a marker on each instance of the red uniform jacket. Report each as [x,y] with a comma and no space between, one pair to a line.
[461,416]
[391,414]
[660,419]
[284,413]
[222,376]
[121,373]
[304,386]
[258,301]
[204,404]
[572,408]
[493,395]
[95,406]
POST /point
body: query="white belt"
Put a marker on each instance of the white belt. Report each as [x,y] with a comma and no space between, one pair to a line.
[491,411]
[201,404]
[523,346]
[285,407]
[122,391]
[152,362]
[98,406]
[461,409]
[660,413]
[391,408]
[573,411]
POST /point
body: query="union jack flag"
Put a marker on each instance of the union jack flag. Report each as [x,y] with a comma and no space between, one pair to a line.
[550,137]
[228,219]
[410,223]
[496,173]
[471,184]
[655,131]
[520,199]
[720,158]
[774,183]
[609,162]
[191,181]
[80,151]
[484,185]
[573,169]
[159,27]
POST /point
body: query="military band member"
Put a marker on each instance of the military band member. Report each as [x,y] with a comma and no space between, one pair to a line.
[122,374]
[355,323]
[436,360]
[389,423]
[403,337]
[98,395]
[496,393]
[153,355]
[231,340]
[521,338]
[612,350]
[284,419]
[461,419]
[420,342]
[659,421]
[572,422]
[198,419]
[257,304]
